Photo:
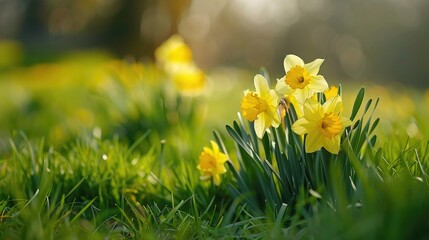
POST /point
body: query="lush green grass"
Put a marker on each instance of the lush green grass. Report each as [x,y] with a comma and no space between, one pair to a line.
[93,148]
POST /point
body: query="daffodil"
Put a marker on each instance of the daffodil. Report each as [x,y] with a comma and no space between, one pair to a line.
[189,79]
[174,56]
[301,80]
[173,51]
[261,106]
[212,163]
[323,124]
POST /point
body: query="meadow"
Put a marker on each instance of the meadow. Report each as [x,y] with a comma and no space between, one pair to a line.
[95,147]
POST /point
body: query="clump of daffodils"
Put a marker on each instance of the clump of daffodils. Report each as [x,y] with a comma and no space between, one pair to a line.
[317,106]
[174,56]
[319,119]
[299,145]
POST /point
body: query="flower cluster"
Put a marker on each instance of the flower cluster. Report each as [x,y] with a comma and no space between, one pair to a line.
[319,118]
[174,56]
[321,123]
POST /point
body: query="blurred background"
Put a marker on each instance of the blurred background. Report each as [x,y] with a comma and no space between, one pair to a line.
[381,41]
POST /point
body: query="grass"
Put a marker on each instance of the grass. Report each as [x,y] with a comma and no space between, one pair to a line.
[109,150]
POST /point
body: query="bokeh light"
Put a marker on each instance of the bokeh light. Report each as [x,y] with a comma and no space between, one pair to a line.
[378,41]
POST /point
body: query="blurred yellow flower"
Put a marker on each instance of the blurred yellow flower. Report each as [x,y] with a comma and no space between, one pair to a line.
[301,80]
[331,92]
[323,125]
[174,56]
[173,51]
[261,106]
[189,79]
[212,163]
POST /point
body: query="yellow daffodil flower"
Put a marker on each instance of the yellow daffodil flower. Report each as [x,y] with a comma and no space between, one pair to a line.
[175,58]
[212,163]
[189,79]
[323,125]
[261,106]
[173,51]
[301,80]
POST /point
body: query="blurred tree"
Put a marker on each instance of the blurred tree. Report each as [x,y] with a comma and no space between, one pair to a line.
[126,27]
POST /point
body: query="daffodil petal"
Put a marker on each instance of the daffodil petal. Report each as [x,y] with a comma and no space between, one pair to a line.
[260,125]
[221,168]
[314,66]
[318,84]
[300,95]
[332,144]
[215,147]
[312,110]
[261,85]
[300,126]
[270,118]
[282,88]
[274,118]
[273,98]
[292,61]
[208,150]
[333,105]
[307,93]
[216,179]
[313,142]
